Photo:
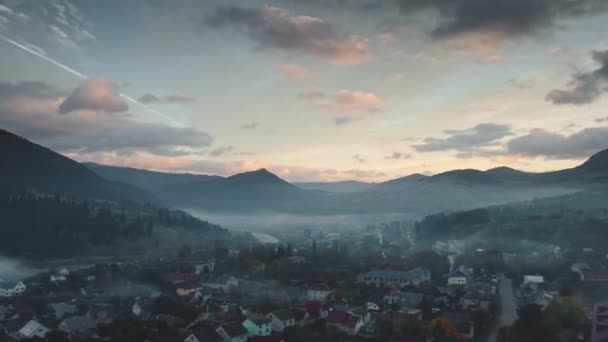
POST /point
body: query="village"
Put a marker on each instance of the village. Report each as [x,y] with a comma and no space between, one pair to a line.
[322,291]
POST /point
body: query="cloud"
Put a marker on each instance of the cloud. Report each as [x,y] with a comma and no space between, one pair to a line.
[365,174]
[345,102]
[94,94]
[175,98]
[513,18]
[274,27]
[359,159]
[601,120]
[584,88]
[551,145]
[251,125]
[299,73]
[220,151]
[398,155]
[470,140]
[32,109]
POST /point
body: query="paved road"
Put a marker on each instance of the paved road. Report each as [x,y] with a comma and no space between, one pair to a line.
[508,308]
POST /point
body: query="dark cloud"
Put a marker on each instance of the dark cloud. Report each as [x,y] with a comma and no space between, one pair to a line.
[365,173]
[220,151]
[342,120]
[511,17]
[601,120]
[94,94]
[541,143]
[251,125]
[176,98]
[359,159]
[29,109]
[465,141]
[273,27]
[398,155]
[584,88]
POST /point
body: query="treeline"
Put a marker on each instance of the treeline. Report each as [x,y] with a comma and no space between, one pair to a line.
[54,226]
[543,221]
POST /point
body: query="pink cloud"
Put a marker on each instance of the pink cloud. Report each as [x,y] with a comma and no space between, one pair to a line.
[300,73]
[94,94]
[352,99]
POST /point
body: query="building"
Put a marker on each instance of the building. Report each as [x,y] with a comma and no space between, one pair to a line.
[232,332]
[33,329]
[207,266]
[599,325]
[258,326]
[60,276]
[281,319]
[389,278]
[221,282]
[203,333]
[83,325]
[318,292]
[460,276]
[12,290]
[346,322]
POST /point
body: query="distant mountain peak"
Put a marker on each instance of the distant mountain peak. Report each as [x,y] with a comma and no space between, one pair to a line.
[257,176]
[597,162]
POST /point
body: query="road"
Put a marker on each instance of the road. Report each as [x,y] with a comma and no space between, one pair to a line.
[508,308]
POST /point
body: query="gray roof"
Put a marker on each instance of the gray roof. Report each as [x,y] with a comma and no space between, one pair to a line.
[415,274]
[410,300]
[62,309]
[80,323]
[283,315]
[234,329]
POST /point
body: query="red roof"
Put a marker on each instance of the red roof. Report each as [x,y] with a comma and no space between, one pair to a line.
[343,318]
[595,276]
[312,306]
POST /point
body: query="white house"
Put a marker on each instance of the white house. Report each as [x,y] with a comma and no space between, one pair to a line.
[33,329]
[281,319]
[389,278]
[60,276]
[318,292]
[460,275]
[208,266]
[222,282]
[532,281]
[7,290]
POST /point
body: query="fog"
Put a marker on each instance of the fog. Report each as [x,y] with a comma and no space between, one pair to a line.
[13,269]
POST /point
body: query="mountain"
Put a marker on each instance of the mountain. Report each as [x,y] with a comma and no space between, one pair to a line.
[144,179]
[262,191]
[27,166]
[340,187]
[256,190]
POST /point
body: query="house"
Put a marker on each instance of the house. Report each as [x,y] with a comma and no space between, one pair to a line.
[60,310]
[179,278]
[532,281]
[392,296]
[459,276]
[389,278]
[410,300]
[207,266]
[222,282]
[12,290]
[599,325]
[141,308]
[400,319]
[346,322]
[318,292]
[476,300]
[595,276]
[258,326]
[232,332]
[33,329]
[83,325]
[281,319]
[60,276]
[203,333]
[315,310]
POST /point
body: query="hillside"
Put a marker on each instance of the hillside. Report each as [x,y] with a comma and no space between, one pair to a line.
[144,179]
[28,167]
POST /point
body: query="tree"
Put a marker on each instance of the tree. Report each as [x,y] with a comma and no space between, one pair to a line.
[184,252]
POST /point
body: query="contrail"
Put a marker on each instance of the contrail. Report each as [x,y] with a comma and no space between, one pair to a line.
[81,75]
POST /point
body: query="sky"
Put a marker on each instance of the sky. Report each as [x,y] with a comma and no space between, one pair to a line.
[313,90]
